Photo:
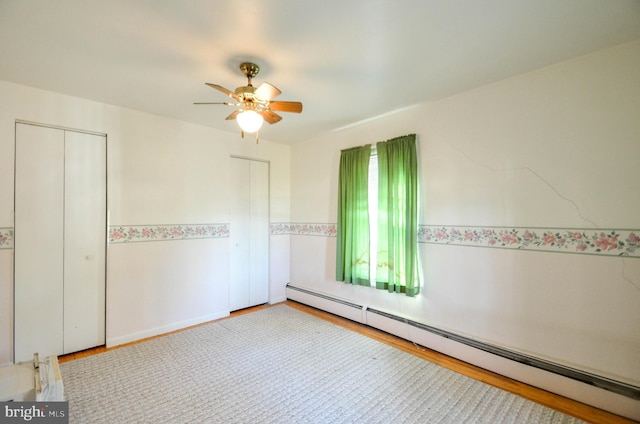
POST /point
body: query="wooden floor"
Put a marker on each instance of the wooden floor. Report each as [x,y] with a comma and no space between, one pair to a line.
[570,407]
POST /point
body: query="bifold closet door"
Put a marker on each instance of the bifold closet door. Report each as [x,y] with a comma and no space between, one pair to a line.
[84,241]
[249,217]
[38,245]
[259,234]
[60,239]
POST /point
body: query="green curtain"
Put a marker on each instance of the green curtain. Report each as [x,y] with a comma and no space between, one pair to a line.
[352,251]
[397,255]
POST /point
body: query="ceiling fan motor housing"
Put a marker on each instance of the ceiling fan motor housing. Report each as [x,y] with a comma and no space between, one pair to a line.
[246,92]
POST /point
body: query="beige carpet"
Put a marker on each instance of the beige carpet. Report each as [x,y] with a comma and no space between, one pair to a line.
[280,365]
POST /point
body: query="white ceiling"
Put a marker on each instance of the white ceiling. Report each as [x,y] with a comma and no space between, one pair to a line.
[346,60]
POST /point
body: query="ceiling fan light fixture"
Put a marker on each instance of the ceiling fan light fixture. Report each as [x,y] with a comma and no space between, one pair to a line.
[250,121]
[256,104]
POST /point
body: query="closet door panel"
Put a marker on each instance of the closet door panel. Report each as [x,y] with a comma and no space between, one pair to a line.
[84,241]
[38,249]
[259,230]
[239,212]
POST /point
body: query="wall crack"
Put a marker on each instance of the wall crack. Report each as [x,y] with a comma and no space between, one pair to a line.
[534,173]
[624,275]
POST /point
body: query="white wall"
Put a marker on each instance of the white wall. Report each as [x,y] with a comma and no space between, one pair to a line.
[160,172]
[553,149]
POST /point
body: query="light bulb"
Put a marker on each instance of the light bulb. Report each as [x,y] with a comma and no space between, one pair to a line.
[250,121]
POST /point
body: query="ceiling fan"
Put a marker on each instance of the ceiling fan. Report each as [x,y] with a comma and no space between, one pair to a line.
[256,104]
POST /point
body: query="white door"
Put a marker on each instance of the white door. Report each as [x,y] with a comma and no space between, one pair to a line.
[60,238]
[84,241]
[38,232]
[249,238]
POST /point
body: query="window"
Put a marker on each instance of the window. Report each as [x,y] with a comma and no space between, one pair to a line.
[377,216]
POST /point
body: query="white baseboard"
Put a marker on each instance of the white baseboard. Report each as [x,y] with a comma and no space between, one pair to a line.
[139,335]
[277,300]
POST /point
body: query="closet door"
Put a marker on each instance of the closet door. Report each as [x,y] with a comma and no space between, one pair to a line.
[38,248]
[239,213]
[249,218]
[259,233]
[60,239]
[84,241]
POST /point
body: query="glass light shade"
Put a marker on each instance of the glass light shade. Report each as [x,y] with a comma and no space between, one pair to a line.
[250,121]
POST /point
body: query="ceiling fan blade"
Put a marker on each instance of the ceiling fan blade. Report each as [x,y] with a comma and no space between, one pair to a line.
[233,115]
[214,103]
[270,117]
[281,106]
[224,90]
[267,91]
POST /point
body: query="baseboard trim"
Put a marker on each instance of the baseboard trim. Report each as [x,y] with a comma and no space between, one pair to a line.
[156,331]
[278,300]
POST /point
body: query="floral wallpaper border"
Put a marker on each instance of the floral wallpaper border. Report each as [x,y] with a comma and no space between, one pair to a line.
[6,238]
[142,233]
[303,229]
[604,242]
[607,242]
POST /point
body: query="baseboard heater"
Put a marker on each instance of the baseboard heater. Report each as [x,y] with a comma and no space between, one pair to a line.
[605,383]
